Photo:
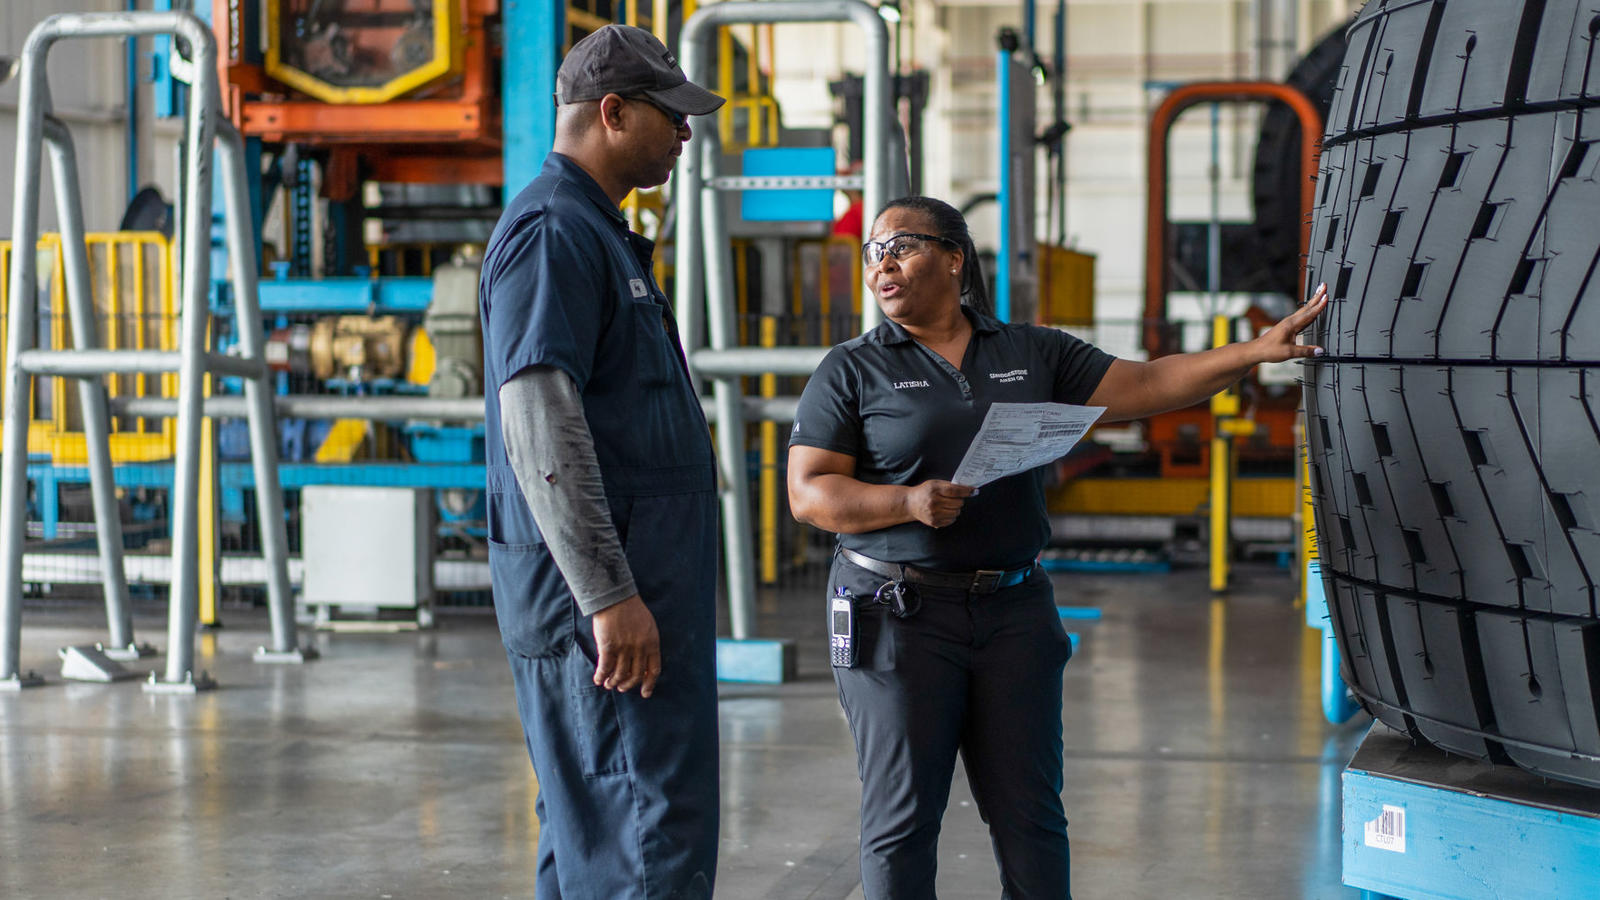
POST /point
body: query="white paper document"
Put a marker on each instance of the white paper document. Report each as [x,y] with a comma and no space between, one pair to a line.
[1016,437]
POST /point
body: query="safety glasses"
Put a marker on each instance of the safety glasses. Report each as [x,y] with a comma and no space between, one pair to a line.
[899,246]
[677,119]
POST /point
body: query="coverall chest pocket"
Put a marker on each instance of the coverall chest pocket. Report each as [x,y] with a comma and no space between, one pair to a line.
[655,352]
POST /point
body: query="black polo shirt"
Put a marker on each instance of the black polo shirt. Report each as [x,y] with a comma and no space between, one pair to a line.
[907,416]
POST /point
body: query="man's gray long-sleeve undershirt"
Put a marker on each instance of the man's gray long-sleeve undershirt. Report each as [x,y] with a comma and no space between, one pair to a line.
[551,450]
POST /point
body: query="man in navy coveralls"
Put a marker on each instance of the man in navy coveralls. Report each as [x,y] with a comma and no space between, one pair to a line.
[601,494]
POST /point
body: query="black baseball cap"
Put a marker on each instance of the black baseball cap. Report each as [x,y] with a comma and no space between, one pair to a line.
[622,59]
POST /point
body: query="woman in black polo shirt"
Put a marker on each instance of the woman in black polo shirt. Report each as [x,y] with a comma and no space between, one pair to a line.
[957,642]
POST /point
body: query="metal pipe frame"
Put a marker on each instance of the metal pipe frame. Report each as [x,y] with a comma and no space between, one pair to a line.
[738,545]
[183,600]
[758,361]
[201,133]
[395,409]
[699,161]
[93,363]
[263,427]
[92,395]
[706,266]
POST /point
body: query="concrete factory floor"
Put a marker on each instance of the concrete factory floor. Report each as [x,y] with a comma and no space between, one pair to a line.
[1197,763]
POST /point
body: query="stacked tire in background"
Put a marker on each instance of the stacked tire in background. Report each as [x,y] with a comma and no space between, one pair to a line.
[1455,422]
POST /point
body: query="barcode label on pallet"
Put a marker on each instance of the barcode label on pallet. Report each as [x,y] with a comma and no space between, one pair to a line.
[1388,830]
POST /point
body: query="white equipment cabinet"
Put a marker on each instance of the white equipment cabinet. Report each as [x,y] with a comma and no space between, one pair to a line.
[368,551]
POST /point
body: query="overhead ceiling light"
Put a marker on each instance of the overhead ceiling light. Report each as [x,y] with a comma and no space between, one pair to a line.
[890,10]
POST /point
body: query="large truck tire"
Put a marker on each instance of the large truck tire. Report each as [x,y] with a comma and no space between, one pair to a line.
[1454,423]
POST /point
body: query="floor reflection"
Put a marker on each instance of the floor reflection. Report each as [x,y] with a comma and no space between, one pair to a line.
[1197,763]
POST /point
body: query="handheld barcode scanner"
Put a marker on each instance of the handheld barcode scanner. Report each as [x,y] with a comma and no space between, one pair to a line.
[842,630]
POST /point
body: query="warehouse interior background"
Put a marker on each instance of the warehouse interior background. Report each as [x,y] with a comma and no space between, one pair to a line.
[199,702]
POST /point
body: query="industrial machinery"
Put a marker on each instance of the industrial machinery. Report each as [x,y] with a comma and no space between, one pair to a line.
[1238,450]
[1150,486]
[381,136]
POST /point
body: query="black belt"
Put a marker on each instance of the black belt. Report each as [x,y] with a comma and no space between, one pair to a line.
[983,581]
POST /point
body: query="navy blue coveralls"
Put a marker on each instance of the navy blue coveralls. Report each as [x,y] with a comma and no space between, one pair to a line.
[978,672]
[628,800]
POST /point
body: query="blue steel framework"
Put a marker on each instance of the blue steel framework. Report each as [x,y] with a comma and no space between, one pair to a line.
[235,478]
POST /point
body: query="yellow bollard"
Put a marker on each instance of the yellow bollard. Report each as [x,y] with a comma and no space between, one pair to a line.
[769,466]
[1224,406]
[210,539]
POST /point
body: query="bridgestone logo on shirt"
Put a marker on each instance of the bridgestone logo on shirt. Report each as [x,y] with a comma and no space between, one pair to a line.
[902,385]
[1008,377]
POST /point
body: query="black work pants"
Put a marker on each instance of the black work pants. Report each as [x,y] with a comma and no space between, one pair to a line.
[978,673]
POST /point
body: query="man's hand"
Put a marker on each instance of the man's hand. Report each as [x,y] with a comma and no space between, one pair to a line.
[937,503]
[1277,343]
[628,647]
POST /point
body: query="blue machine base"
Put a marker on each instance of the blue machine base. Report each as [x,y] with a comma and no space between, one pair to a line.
[1420,824]
[755,661]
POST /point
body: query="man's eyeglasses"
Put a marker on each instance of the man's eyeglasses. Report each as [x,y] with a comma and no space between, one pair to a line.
[677,119]
[899,246]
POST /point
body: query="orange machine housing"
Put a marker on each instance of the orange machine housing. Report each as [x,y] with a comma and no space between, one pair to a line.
[1183,437]
[447,132]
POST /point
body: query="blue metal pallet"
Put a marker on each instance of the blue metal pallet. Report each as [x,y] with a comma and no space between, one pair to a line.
[1420,824]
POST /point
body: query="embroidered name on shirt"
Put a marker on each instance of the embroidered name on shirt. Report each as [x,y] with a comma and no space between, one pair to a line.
[636,285]
[902,385]
[1008,377]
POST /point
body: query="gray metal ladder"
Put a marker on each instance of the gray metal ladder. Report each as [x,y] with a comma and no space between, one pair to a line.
[205,126]
[705,266]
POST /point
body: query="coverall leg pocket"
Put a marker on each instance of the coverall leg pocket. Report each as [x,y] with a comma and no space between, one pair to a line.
[599,725]
[531,600]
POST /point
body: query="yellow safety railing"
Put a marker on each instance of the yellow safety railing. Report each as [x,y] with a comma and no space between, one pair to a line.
[131,279]
[760,108]
[741,250]
[591,16]
[401,255]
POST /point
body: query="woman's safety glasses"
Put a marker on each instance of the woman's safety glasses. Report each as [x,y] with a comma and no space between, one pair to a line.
[899,246]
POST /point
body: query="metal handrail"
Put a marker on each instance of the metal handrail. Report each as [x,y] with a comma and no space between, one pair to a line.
[208,131]
[705,269]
